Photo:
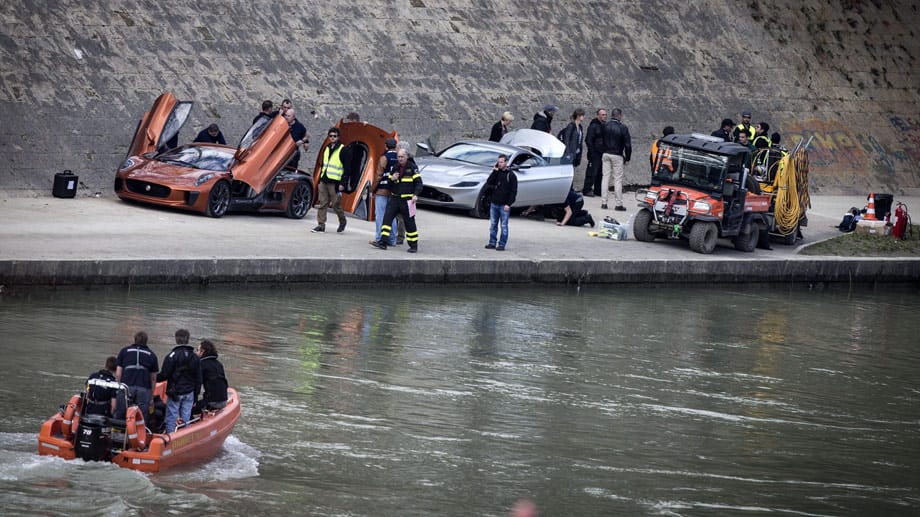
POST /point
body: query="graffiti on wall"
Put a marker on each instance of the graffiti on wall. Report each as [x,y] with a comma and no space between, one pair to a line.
[909,131]
[847,156]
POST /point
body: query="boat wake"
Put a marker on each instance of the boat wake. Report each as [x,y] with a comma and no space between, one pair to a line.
[236,460]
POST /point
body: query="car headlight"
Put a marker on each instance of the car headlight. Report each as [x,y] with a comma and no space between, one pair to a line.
[203,179]
[701,206]
[130,162]
[463,184]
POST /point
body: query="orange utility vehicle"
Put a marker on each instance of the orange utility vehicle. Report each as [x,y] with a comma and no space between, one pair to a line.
[702,190]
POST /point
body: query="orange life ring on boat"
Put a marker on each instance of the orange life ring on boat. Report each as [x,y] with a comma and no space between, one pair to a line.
[135,428]
[71,416]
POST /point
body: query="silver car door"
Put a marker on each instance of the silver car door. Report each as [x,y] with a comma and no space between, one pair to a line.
[540,184]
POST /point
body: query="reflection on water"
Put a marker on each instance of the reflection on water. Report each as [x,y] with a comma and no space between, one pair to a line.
[430,401]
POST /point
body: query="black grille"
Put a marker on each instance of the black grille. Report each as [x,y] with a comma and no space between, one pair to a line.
[147,189]
[437,195]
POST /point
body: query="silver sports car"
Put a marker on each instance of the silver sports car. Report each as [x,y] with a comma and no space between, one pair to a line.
[456,176]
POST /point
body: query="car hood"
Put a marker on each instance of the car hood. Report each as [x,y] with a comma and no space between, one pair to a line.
[548,145]
[154,171]
[432,167]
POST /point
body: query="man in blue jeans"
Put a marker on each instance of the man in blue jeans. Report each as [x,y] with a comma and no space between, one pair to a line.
[136,367]
[503,183]
[182,373]
[382,187]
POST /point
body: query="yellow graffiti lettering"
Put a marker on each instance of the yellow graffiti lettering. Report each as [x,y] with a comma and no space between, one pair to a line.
[824,141]
[845,140]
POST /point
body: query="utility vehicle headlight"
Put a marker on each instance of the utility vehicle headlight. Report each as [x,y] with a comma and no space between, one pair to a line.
[701,206]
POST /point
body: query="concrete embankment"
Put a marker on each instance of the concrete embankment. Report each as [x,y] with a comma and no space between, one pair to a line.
[78,76]
[94,242]
[60,273]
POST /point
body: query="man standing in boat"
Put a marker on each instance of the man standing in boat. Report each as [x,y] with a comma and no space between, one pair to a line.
[214,381]
[182,373]
[137,369]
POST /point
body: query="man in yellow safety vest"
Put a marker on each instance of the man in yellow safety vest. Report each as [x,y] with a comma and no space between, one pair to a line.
[330,183]
[745,126]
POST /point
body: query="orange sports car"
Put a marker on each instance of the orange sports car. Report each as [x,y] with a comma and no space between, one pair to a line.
[364,145]
[211,178]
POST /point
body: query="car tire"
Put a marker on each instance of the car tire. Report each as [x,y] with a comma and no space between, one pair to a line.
[746,241]
[790,239]
[301,199]
[483,205]
[641,226]
[218,199]
[703,237]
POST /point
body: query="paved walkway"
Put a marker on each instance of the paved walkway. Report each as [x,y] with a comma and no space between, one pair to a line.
[104,240]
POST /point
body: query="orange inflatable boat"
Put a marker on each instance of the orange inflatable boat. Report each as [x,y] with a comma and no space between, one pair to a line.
[130,443]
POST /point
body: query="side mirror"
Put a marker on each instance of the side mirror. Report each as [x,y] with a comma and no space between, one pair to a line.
[423,148]
[728,189]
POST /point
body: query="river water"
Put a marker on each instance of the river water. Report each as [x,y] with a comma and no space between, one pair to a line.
[428,401]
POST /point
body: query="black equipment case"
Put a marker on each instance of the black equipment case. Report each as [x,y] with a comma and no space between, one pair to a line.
[65,184]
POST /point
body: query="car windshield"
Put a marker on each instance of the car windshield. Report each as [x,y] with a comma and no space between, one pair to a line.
[691,167]
[198,157]
[471,153]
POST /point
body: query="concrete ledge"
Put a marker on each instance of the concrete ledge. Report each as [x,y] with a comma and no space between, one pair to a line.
[22,273]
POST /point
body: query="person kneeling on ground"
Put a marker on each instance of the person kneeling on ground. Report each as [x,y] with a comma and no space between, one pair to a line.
[213,379]
[575,214]
[848,224]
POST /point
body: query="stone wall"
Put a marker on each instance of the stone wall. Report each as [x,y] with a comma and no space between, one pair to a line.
[75,79]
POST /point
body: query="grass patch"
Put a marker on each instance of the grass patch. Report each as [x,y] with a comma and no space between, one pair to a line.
[868,245]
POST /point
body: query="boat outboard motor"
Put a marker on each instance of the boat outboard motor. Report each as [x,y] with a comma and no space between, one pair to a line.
[94,438]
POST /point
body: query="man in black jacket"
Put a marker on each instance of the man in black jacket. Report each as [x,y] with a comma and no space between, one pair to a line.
[617,151]
[182,373]
[101,400]
[136,367]
[211,135]
[725,132]
[594,139]
[213,379]
[503,183]
[543,120]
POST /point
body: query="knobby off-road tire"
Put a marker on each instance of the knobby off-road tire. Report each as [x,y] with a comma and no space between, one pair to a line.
[790,239]
[641,226]
[746,241]
[703,237]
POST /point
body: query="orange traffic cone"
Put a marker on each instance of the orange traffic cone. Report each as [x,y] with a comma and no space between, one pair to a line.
[870,210]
